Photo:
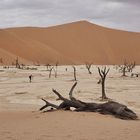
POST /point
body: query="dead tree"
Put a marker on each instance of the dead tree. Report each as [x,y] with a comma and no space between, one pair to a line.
[131,66]
[74,73]
[55,69]
[116,109]
[55,72]
[103,73]
[88,66]
[17,63]
[123,68]
[48,66]
[126,67]
[50,71]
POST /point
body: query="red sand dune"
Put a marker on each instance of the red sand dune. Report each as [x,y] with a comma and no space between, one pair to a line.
[73,43]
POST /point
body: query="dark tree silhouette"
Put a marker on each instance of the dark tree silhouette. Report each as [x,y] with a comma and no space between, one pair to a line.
[103,73]
[74,73]
[17,63]
[48,66]
[55,69]
[88,66]
[50,71]
[126,67]
[112,108]
[131,66]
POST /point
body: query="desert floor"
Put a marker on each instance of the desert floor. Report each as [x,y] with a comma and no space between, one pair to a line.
[21,100]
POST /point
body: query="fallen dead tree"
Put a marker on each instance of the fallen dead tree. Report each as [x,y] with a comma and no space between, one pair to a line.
[113,108]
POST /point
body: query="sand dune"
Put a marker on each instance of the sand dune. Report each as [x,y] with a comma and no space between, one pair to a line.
[73,43]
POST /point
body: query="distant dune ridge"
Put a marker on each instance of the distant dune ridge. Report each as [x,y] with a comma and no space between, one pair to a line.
[73,43]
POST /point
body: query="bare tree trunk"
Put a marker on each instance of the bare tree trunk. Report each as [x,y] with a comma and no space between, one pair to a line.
[17,63]
[131,66]
[55,70]
[124,71]
[50,72]
[55,73]
[127,67]
[88,66]
[74,73]
[103,74]
[103,90]
[48,66]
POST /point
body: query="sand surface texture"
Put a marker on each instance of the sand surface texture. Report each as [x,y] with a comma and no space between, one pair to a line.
[20,102]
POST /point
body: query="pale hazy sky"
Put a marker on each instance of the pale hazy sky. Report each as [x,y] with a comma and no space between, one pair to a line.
[121,14]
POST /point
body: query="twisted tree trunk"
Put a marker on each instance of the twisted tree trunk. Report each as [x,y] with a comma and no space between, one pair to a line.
[116,109]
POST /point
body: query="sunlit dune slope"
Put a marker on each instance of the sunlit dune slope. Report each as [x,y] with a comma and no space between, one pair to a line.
[73,43]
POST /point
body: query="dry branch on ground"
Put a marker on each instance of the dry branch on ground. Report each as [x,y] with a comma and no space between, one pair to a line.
[113,108]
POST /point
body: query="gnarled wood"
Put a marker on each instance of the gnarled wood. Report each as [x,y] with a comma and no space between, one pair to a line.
[116,109]
[48,104]
[71,91]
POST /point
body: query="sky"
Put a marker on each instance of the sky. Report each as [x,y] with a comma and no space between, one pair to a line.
[119,14]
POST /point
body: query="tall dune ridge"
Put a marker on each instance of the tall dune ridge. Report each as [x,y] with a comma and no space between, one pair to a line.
[72,43]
